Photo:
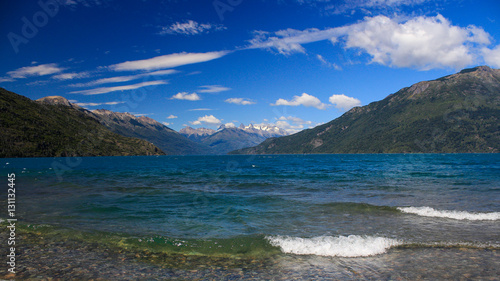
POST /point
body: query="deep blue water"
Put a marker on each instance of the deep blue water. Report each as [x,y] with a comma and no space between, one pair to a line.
[327,205]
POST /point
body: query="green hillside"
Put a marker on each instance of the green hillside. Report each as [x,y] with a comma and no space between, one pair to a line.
[32,129]
[459,113]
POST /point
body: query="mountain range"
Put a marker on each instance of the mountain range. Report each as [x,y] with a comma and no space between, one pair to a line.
[458,113]
[229,138]
[54,127]
[454,114]
[142,127]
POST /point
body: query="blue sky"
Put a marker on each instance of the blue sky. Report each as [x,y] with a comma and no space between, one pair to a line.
[292,63]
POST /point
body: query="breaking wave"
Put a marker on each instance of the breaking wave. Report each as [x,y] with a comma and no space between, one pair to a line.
[341,246]
[457,215]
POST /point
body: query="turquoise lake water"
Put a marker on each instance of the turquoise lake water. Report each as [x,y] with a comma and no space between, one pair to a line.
[298,208]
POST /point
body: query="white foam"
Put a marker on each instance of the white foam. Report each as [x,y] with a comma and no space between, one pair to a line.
[457,215]
[342,246]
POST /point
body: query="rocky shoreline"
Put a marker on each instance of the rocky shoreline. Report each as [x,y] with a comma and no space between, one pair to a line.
[51,258]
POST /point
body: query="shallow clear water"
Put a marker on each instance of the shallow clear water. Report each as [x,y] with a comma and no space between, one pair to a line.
[341,206]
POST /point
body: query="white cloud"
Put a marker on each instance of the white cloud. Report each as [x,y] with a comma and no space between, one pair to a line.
[288,127]
[293,124]
[344,102]
[39,70]
[209,119]
[492,56]
[104,90]
[304,99]
[230,125]
[98,103]
[172,116]
[166,123]
[186,96]
[119,79]
[213,89]
[240,101]
[167,61]
[422,42]
[478,35]
[190,28]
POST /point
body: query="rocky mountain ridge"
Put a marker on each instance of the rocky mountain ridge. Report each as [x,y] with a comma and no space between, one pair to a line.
[228,138]
[151,130]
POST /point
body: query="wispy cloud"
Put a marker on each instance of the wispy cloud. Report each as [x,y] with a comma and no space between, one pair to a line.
[104,90]
[327,63]
[240,101]
[190,28]
[141,114]
[208,119]
[127,78]
[349,7]
[97,103]
[167,61]
[304,99]
[200,109]
[87,3]
[368,6]
[6,79]
[289,41]
[186,96]
[172,116]
[71,75]
[39,70]
[213,89]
